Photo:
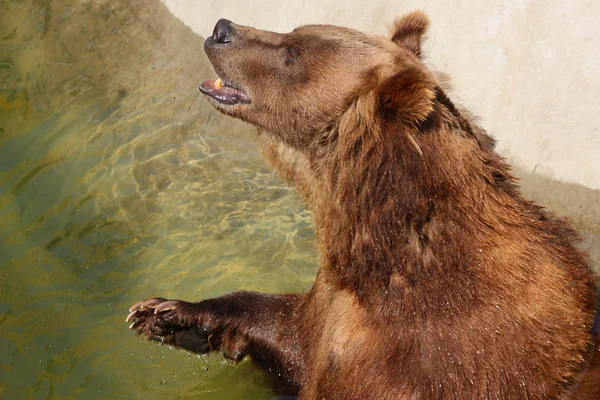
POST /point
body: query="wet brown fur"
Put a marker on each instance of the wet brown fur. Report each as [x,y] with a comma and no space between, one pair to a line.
[437,279]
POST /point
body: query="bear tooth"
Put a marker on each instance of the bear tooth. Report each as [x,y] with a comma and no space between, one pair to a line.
[218,83]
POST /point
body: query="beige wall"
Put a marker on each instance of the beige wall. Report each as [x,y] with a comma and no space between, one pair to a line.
[529,69]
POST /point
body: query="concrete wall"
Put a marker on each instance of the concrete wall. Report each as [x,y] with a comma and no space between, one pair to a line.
[530,69]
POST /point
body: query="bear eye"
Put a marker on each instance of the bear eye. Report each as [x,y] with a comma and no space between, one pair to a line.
[291,55]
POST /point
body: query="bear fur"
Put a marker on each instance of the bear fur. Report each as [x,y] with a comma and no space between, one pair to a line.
[437,279]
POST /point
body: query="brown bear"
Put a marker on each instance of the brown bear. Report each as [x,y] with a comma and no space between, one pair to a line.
[437,279]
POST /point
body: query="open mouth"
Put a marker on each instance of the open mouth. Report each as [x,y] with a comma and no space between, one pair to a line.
[224,92]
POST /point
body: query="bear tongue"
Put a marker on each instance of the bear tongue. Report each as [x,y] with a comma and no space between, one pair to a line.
[223,94]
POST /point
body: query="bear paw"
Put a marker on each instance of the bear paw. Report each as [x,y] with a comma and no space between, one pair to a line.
[172,322]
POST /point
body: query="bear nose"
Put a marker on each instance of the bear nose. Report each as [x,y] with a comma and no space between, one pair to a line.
[222,31]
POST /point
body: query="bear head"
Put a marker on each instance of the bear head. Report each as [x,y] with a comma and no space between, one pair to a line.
[301,86]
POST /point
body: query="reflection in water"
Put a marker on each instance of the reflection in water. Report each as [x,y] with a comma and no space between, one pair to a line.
[119,182]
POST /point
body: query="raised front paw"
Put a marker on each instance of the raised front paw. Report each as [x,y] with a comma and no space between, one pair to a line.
[171,322]
[199,327]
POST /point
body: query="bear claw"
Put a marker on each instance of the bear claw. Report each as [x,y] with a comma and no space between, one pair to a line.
[165,306]
[149,303]
[130,317]
[134,324]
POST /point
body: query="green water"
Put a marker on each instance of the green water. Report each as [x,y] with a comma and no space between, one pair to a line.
[119,182]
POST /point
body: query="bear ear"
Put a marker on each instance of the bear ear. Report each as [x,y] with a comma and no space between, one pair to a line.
[408,30]
[407,95]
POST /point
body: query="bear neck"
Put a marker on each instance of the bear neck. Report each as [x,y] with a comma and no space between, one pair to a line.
[412,210]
